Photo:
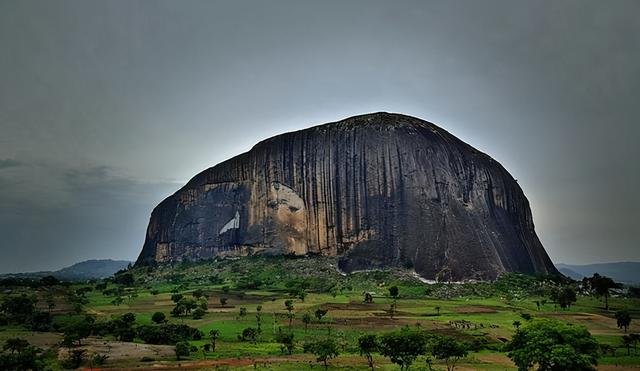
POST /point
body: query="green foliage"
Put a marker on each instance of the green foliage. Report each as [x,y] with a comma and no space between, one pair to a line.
[249,334]
[394,292]
[623,319]
[403,347]
[449,350]
[18,354]
[213,336]
[286,341]
[168,333]
[182,349]
[158,317]
[124,278]
[18,308]
[324,350]
[601,286]
[367,345]
[553,345]
[319,313]
[564,296]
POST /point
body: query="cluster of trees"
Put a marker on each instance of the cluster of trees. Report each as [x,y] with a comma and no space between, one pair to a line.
[18,354]
[124,328]
[21,310]
[405,346]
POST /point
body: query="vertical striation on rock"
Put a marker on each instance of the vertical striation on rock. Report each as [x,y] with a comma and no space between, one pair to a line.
[376,190]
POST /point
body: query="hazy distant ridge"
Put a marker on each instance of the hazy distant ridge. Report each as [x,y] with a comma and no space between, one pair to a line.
[627,272]
[86,270]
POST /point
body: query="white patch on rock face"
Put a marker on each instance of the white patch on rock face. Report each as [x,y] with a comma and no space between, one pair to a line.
[231,224]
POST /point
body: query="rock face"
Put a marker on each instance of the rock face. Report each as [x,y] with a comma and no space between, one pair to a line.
[375,190]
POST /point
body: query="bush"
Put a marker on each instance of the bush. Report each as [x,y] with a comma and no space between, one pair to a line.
[182,349]
[158,317]
[553,345]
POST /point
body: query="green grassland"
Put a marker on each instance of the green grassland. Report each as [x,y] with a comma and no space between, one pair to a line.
[480,314]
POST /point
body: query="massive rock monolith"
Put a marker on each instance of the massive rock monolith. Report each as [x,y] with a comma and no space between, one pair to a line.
[376,190]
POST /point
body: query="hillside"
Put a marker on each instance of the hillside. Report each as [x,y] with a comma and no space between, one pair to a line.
[625,272]
[86,270]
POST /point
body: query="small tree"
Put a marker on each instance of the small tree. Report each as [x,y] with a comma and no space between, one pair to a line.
[602,286]
[403,347]
[249,334]
[243,312]
[176,298]
[324,350]
[437,308]
[517,324]
[158,317]
[624,319]
[306,319]
[223,301]
[285,340]
[288,304]
[394,292]
[368,344]
[182,349]
[213,336]
[319,313]
[198,313]
[368,298]
[448,349]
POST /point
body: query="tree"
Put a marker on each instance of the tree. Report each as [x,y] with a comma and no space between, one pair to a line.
[198,313]
[368,344]
[182,349]
[403,347]
[18,308]
[23,356]
[602,286]
[564,296]
[319,313]
[243,312]
[324,350]
[553,345]
[15,345]
[392,309]
[249,334]
[448,349]
[437,308]
[158,317]
[627,342]
[288,304]
[259,317]
[125,279]
[213,336]
[76,358]
[306,319]
[40,321]
[223,301]
[394,292]
[176,298]
[624,319]
[286,341]
[517,324]
[368,298]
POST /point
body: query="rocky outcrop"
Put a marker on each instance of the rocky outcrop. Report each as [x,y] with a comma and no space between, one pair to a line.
[376,190]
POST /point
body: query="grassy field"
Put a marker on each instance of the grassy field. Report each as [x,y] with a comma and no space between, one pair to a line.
[487,309]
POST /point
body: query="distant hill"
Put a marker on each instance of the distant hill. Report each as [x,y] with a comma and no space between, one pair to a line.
[625,272]
[86,270]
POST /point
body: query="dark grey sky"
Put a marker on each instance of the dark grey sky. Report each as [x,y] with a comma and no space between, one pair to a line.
[107,107]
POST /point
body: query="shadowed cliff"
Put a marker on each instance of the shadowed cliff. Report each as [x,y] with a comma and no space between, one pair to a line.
[375,190]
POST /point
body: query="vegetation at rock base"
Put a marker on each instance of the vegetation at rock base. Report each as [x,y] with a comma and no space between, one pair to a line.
[264,319]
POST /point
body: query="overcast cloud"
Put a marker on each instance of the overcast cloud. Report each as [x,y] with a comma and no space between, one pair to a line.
[107,107]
